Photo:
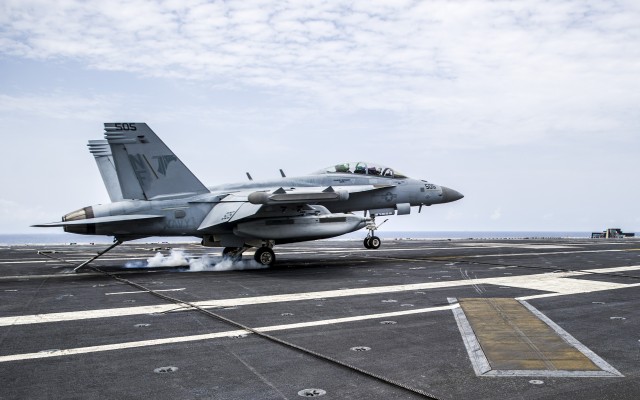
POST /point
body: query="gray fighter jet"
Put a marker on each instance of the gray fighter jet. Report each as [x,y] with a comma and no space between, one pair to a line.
[154,194]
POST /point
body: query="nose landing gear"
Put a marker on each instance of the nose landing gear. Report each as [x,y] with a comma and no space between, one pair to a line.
[373,242]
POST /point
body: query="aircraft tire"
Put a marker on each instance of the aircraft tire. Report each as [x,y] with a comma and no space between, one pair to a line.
[367,245]
[265,256]
[229,253]
[374,242]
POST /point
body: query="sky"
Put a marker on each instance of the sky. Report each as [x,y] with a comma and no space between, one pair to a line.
[531,109]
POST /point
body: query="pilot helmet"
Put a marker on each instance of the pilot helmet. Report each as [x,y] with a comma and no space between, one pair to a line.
[342,168]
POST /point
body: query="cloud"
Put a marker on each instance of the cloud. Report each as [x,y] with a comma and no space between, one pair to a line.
[58,105]
[17,217]
[496,214]
[480,72]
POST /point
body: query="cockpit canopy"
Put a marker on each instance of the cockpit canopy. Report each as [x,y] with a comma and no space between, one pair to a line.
[363,168]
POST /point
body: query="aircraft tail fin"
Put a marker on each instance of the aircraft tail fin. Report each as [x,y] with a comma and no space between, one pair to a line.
[145,166]
[104,159]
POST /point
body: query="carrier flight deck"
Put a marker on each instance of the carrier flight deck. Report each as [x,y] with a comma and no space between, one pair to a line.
[459,319]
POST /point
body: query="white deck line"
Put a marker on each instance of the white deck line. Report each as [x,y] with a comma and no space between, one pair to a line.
[338,251]
[209,336]
[556,283]
[597,360]
[476,355]
[503,281]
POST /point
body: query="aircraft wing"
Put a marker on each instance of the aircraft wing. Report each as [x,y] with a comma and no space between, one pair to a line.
[246,204]
[229,211]
[100,220]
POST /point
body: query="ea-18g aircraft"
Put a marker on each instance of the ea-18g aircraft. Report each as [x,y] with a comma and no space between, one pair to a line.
[154,194]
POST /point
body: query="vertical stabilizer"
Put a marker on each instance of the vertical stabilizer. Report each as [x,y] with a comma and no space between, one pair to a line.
[146,167]
[104,159]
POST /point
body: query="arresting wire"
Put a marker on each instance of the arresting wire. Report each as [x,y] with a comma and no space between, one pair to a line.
[271,338]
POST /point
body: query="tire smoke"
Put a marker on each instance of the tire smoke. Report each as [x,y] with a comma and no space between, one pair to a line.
[180,258]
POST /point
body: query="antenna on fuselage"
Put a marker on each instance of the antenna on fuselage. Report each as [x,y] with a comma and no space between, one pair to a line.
[249,176]
[282,173]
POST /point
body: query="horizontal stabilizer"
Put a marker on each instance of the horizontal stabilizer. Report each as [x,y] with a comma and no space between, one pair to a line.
[100,220]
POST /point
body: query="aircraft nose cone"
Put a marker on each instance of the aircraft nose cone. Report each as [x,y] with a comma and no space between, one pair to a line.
[449,195]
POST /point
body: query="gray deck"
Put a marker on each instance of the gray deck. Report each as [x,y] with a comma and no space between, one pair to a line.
[382,311]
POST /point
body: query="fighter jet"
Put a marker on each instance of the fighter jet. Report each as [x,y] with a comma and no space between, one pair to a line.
[154,194]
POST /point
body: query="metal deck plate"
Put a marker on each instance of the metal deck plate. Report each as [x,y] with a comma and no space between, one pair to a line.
[506,337]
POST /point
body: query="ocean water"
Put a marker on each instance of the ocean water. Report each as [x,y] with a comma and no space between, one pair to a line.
[66,238]
[472,234]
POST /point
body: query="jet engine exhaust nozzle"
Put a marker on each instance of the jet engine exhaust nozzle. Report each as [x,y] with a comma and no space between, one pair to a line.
[83,213]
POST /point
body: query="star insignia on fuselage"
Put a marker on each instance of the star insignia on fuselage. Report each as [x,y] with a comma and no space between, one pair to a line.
[390,196]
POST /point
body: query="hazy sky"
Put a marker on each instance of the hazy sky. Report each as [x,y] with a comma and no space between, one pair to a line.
[531,109]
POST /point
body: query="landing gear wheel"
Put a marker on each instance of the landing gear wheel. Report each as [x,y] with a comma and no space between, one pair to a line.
[374,242]
[265,256]
[232,253]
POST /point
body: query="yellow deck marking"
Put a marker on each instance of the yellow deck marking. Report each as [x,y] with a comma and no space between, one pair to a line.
[507,337]
[513,338]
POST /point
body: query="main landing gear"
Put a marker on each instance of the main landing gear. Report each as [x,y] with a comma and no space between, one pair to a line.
[264,255]
[373,242]
[233,253]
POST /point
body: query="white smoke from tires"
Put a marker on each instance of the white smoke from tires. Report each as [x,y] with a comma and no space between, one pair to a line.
[180,258]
